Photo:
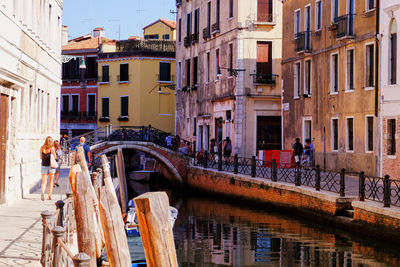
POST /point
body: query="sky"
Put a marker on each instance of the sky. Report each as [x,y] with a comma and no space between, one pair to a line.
[119,18]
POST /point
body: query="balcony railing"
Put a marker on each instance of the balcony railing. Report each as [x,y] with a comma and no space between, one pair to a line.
[265,18]
[303,41]
[123,78]
[103,79]
[345,26]
[79,116]
[195,37]
[215,28]
[264,78]
[206,32]
[187,41]
[142,48]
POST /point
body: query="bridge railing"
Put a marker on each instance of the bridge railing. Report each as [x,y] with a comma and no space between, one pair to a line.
[378,189]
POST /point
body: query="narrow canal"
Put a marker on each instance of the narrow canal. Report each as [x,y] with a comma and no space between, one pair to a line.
[215,232]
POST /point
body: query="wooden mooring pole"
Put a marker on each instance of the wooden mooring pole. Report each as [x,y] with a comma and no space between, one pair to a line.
[123,189]
[153,213]
[113,226]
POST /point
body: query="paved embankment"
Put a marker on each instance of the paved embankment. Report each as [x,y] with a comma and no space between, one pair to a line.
[21,226]
[368,215]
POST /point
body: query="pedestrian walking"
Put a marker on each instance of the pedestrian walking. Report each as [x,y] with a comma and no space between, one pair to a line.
[46,151]
[59,153]
[86,149]
[227,147]
[308,152]
[297,150]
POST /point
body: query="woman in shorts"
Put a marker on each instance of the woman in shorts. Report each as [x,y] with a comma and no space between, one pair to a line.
[45,151]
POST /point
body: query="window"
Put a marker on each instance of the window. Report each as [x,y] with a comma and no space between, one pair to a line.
[165,71]
[369,129]
[216,64]
[196,21]
[264,58]
[208,15]
[91,104]
[334,73]
[307,78]
[297,80]
[166,36]
[391,137]
[75,104]
[318,15]
[217,12]
[264,10]
[105,107]
[307,18]
[208,67]
[65,104]
[230,8]
[369,59]
[187,72]
[124,106]
[335,9]
[393,53]
[180,30]
[350,133]
[124,72]
[105,73]
[188,24]
[370,5]
[178,80]
[335,132]
[297,18]
[350,70]
[230,56]
[195,68]
[307,129]
[194,126]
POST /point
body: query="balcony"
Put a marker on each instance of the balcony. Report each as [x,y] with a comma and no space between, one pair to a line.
[264,78]
[76,116]
[345,26]
[187,41]
[265,18]
[123,78]
[206,33]
[156,48]
[178,2]
[194,37]
[215,28]
[303,42]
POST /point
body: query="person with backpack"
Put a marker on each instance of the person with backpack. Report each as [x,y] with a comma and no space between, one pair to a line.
[227,147]
[297,150]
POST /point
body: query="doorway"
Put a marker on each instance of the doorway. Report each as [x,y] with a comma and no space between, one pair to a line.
[269,133]
[3,144]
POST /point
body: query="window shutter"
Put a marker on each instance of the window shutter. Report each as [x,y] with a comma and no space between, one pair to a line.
[264,10]
[106,107]
[264,57]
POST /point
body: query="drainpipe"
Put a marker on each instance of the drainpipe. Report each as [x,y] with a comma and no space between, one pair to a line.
[377,83]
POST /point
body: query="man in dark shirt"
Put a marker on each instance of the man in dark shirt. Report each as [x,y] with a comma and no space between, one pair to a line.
[86,150]
[298,150]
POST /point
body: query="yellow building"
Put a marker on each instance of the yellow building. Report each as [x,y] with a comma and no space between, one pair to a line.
[136,85]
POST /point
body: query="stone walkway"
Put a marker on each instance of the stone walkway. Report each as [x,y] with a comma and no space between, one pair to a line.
[21,226]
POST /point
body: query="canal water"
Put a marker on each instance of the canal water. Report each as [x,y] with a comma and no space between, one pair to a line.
[211,231]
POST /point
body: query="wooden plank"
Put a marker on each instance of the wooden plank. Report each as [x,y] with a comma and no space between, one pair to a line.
[107,175]
[113,225]
[123,190]
[84,215]
[155,227]
[72,177]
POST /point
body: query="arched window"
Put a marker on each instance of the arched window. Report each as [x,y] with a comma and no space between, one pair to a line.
[393,53]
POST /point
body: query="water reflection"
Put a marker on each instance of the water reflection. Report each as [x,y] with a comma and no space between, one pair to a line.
[213,233]
[210,233]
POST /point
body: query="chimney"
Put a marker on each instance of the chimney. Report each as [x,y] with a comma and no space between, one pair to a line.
[64,35]
[98,32]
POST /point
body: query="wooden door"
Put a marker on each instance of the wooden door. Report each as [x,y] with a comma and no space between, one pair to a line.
[3,144]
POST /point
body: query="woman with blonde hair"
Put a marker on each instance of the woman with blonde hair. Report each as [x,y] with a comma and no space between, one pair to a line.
[45,151]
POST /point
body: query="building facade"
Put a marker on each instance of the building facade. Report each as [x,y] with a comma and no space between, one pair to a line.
[136,85]
[228,60]
[329,80]
[389,81]
[79,88]
[30,68]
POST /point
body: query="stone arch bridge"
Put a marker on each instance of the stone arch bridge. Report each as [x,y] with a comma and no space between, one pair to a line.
[146,139]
